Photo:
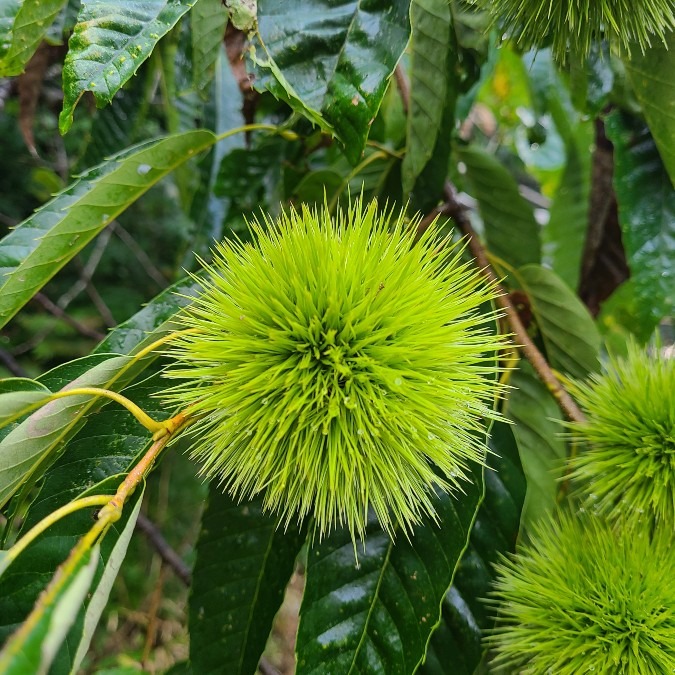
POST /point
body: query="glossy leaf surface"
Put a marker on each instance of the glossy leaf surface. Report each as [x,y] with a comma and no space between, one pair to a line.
[109,42]
[39,247]
[331,60]
[243,565]
[377,616]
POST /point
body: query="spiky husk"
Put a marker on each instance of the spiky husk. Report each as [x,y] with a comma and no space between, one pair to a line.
[574,25]
[629,466]
[585,597]
[339,365]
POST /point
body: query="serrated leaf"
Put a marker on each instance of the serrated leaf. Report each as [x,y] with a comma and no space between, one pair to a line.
[109,43]
[377,616]
[23,582]
[646,214]
[570,335]
[244,563]
[433,51]
[508,218]
[650,74]
[209,19]
[22,26]
[456,645]
[331,61]
[19,395]
[40,246]
[538,431]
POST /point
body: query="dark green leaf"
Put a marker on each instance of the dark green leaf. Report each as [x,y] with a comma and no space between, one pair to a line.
[456,645]
[650,73]
[538,432]
[646,215]
[109,43]
[209,18]
[331,61]
[433,92]
[511,231]
[244,563]
[377,616]
[22,27]
[571,338]
[40,246]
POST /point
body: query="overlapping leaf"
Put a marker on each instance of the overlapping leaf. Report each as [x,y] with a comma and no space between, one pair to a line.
[243,565]
[109,43]
[377,616]
[432,95]
[456,645]
[331,61]
[40,246]
[568,330]
[209,18]
[23,24]
[650,73]
[24,580]
[511,231]
[541,447]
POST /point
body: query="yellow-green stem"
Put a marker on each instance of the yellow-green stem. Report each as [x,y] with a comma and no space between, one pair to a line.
[48,521]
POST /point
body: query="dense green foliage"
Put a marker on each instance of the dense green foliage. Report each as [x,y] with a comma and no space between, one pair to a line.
[138,136]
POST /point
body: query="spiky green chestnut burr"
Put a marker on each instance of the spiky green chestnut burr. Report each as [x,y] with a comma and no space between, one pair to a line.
[573,25]
[583,597]
[338,365]
[629,466]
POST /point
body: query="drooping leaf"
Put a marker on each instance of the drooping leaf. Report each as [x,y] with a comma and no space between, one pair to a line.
[433,91]
[646,214]
[541,447]
[40,246]
[456,645]
[109,43]
[23,24]
[19,395]
[650,75]
[508,218]
[571,337]
[377,616]
[209,18]
[331,61]
[22,583]
[244,563]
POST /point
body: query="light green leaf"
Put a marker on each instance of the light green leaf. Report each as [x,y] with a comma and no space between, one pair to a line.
[570,335]
[651,75]
[39,247]
[538,432]
[23,25]
[109,43]
[98,598]
[209,19]
[647,217]
[377,616]
[433,51]
[18,396]
[331,61]
[242,13]
[34,650]
[244,562]
[511,231]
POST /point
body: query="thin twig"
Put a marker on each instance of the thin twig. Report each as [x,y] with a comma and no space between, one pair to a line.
[163,549]
[455,210]
[12,364]
[403,87]
[150,268]
[56,311]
